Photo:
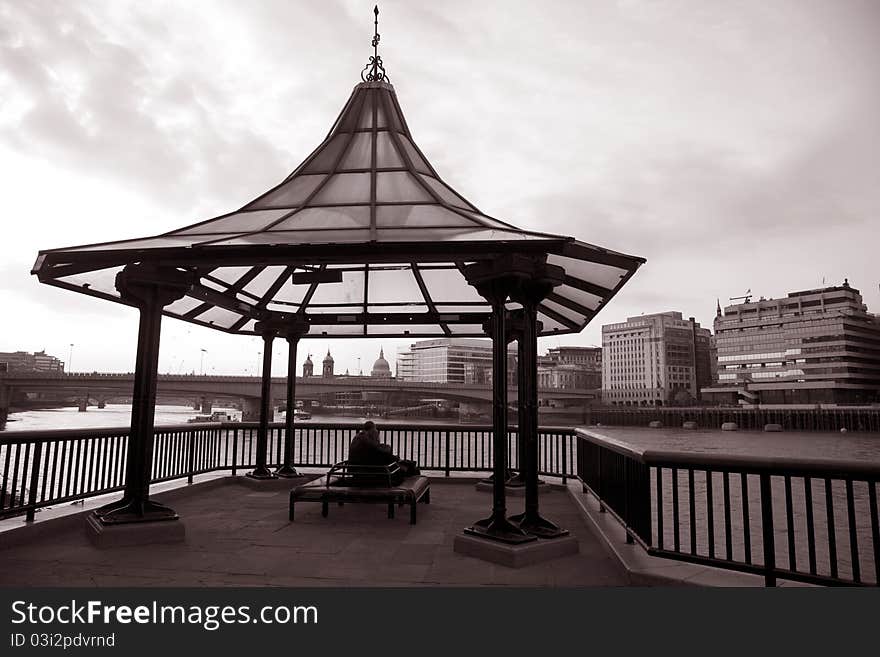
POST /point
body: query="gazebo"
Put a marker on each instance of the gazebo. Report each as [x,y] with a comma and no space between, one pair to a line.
[362,240]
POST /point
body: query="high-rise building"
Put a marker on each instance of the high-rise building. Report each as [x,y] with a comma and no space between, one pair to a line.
[571,367]
[654,360]
[450,360]
[22,361]
[813,346]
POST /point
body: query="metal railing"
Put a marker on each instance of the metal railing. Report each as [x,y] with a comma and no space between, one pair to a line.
[46,468]
[812,521]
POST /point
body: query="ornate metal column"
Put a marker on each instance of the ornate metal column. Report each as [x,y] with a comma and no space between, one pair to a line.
[262,471]
[293,332]
[493,280]
[509,336]
[529,293]
[149,288]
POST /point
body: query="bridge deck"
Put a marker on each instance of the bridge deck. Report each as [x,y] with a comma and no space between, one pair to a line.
[237,536]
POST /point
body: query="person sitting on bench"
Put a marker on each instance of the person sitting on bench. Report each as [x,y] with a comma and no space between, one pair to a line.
[365,449]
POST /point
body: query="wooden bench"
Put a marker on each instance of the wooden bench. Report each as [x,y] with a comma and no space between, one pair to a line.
[359,483]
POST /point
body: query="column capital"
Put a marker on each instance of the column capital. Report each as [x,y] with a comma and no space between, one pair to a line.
[145,283]
[291,327]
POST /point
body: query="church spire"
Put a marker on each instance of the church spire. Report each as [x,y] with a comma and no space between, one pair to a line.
[717,307]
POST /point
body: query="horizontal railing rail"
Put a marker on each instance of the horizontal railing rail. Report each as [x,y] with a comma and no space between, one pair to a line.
[808,520]
[48,467]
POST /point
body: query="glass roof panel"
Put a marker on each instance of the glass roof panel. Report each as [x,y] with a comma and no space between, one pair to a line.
[404,329]
[350,290]
[168,241]
[229,274]
[291,194]
[394,285]
[240,222]
[353,235]
[444,234]
[399,186]
[406,308]
[219,317]
[333,309]
[264,280]
[459,329]
[551,325]
[393,118]
[458,308]
[326,157]
[586,299]
[418,163]
[355,216]
[283,307]
[183,306]
[381,121]
[386,152]
[449,286]
[408,216]
[337,329]
[291,293]
[565,312]
[359,153]
[366,118]
[593,272]
[251,323]
[102,280]
[446,194]
[345,188]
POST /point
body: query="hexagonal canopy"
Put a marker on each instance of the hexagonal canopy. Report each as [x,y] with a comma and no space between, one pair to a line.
[363,239]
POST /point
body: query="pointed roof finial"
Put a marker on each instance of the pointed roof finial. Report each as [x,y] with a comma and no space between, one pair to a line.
[717,307]
[374,71]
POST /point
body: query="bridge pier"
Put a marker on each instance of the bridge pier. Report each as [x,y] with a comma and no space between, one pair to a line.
[82,404]
[250,410]
[207,405]
[5,396]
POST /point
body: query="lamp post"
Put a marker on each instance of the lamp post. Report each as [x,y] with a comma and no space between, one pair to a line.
[202,363]
[70,359]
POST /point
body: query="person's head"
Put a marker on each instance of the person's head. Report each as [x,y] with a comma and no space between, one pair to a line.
[369,426]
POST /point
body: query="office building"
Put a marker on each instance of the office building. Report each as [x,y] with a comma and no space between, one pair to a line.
[22,361]
[813,346]
[451,360]
[571,367]
[655,360]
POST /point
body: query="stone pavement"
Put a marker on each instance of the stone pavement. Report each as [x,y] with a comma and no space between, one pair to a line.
[237,536]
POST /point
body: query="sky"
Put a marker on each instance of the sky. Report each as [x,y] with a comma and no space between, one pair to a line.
[735,146]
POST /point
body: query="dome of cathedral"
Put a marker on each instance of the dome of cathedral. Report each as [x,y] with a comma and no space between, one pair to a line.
[381,368]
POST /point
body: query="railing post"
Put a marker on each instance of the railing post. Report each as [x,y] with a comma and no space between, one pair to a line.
[767,531]
[626,501]
[565,437]
[447,452]
[599,451]
[234,451]
[191,457]
[35,473]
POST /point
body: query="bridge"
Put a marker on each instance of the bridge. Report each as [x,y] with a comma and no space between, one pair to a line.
[247,388]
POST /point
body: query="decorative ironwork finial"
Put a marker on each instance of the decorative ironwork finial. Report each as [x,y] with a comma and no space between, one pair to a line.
[375,71]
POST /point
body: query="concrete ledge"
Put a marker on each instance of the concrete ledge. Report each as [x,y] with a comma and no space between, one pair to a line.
[515,556]
[772,427]
[645,570]
[134,533]
[729,426]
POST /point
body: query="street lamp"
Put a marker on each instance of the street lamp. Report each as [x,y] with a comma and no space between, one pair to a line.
[70,359]
[202,364]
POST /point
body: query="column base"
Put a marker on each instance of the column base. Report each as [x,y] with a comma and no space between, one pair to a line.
[102,535]
[536,525]
[499,529]
[262,473]
[514,556]
[287,471]
[134,511]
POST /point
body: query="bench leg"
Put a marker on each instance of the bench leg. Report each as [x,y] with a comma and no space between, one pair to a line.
[412,511]
[427,496]
[290,513]
[391,510]
[325,509]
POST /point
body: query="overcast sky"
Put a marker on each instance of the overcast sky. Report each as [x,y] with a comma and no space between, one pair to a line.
[734,145]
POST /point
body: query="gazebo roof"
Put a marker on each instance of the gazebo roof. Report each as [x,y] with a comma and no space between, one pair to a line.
[363,239]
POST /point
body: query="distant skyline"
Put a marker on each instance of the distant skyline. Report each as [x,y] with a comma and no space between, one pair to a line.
[735,147]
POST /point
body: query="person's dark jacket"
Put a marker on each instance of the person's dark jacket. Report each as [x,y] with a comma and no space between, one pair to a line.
[367,450]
